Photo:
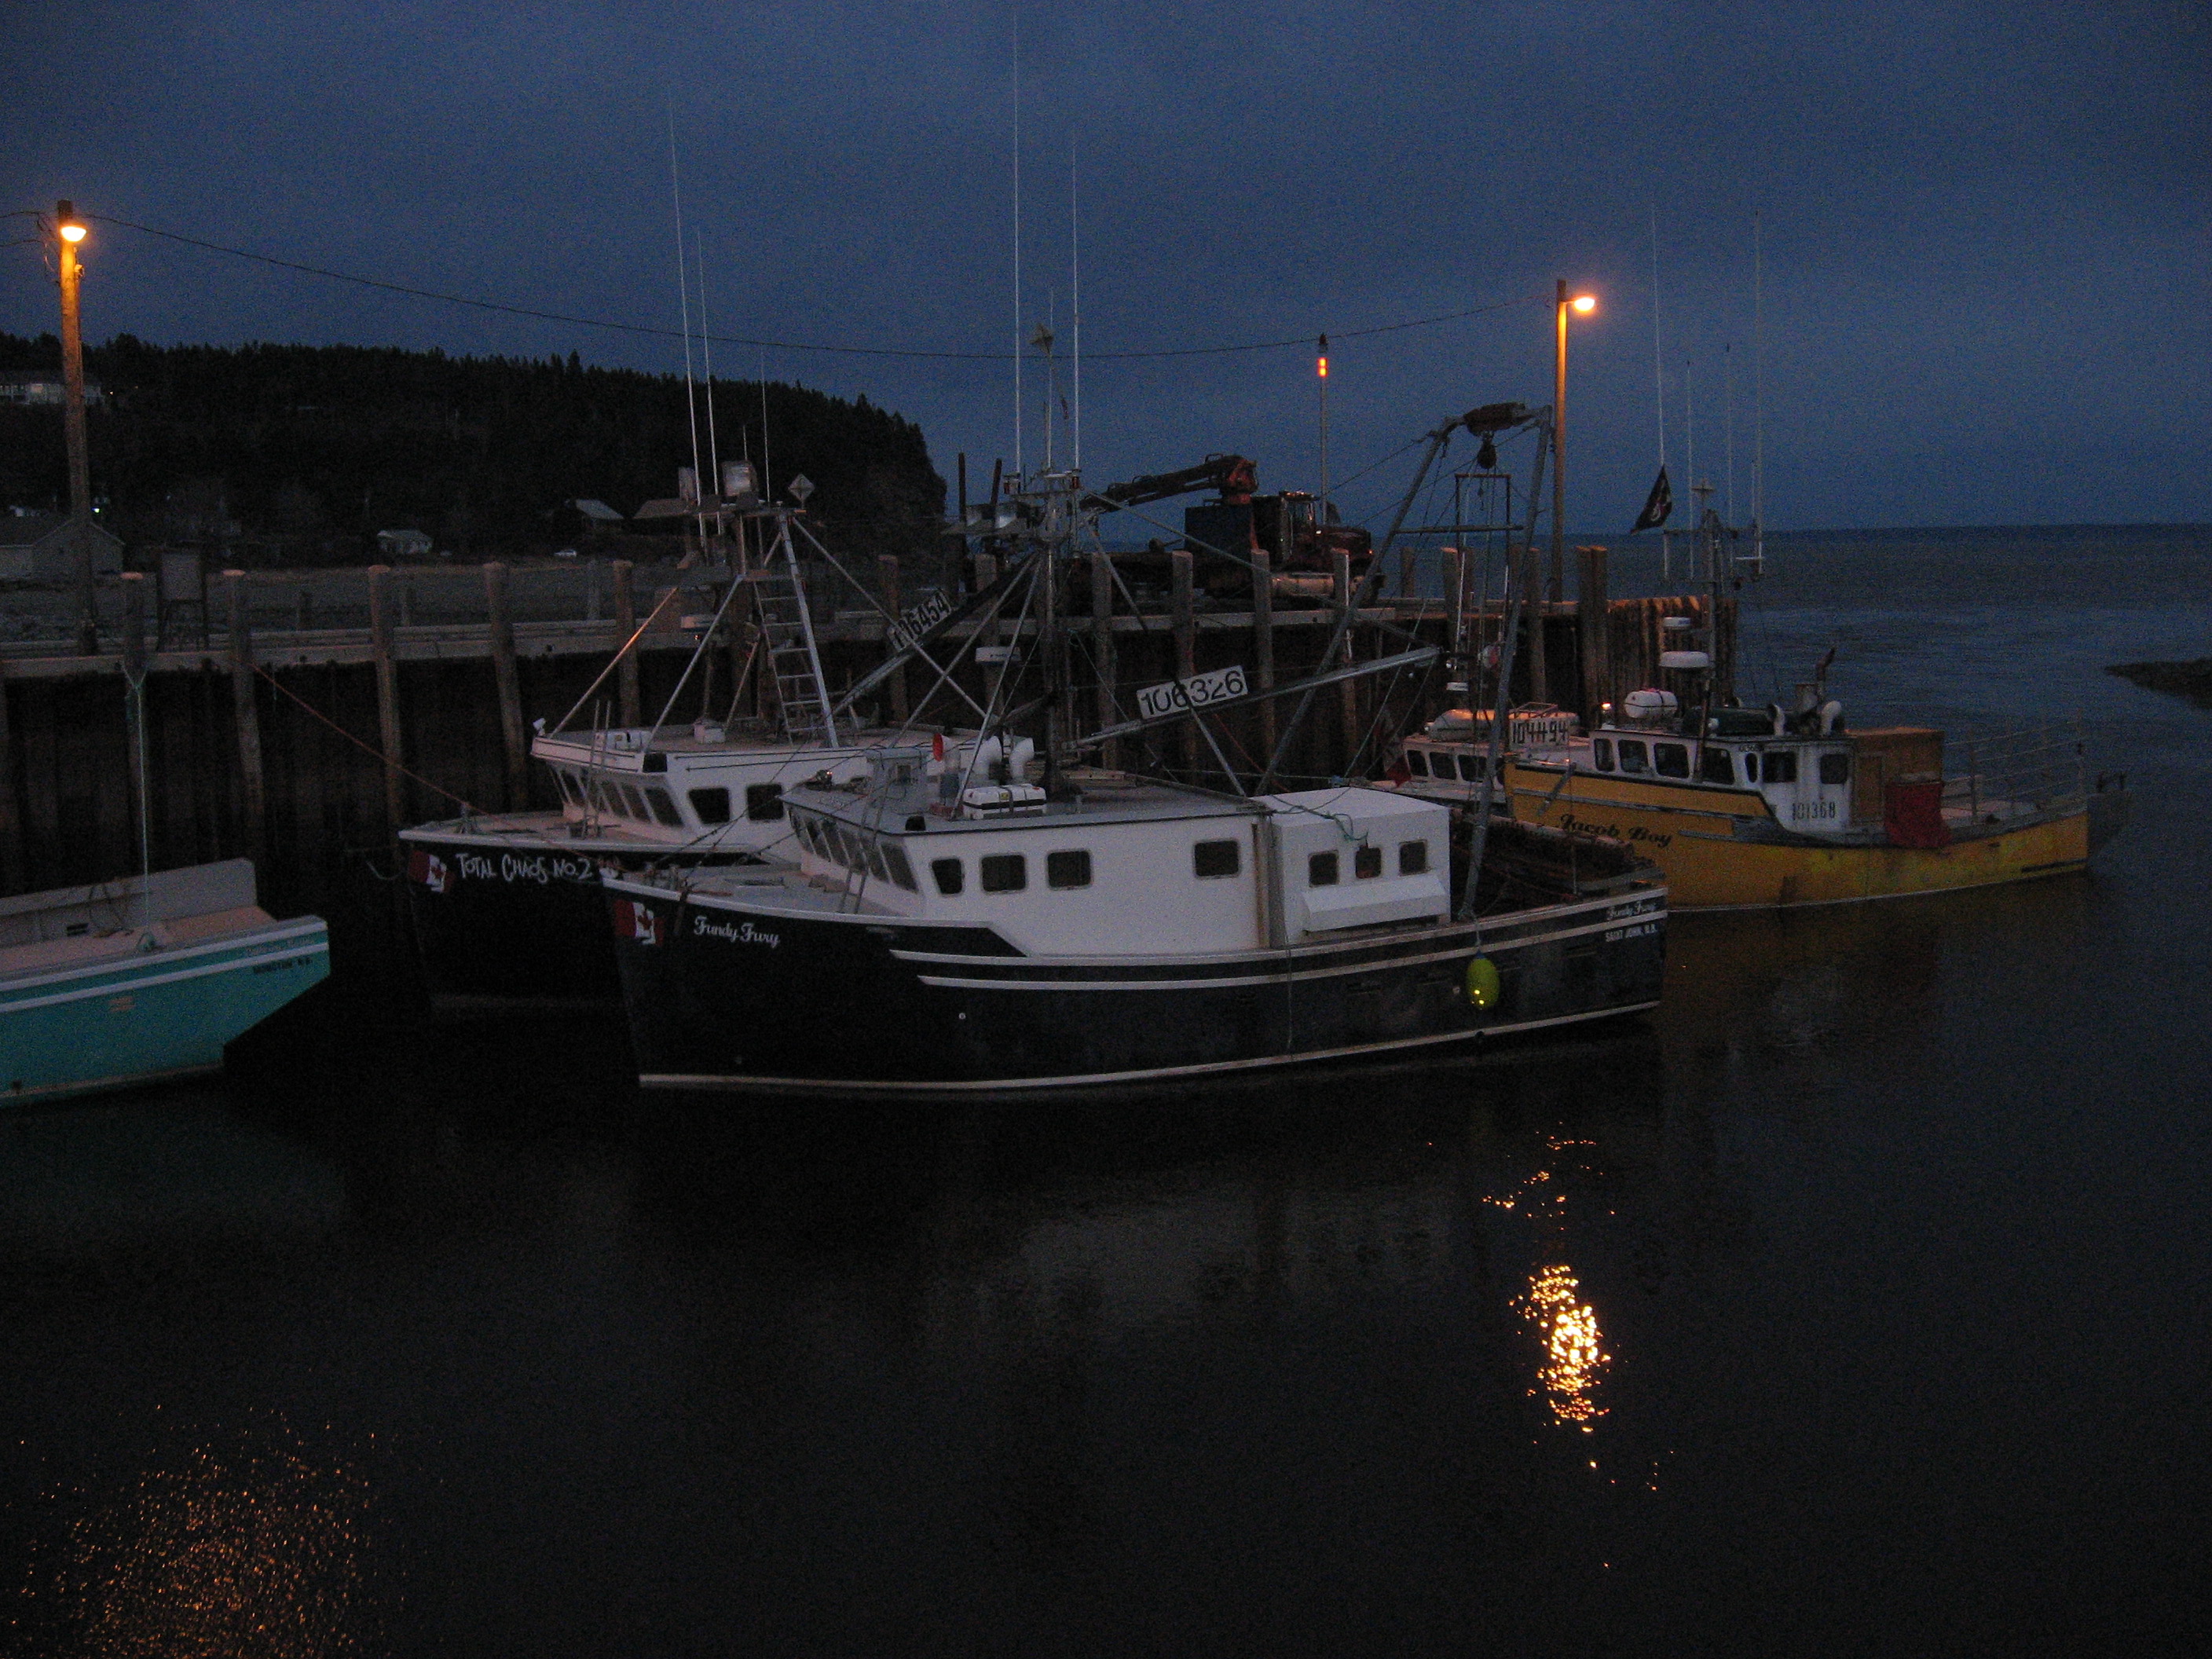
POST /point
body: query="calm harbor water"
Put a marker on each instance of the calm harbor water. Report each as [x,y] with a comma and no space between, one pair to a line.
[1856,1304]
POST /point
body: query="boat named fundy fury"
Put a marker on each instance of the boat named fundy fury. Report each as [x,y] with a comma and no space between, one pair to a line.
[958,923]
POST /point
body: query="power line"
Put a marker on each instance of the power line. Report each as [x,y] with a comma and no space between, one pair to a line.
[1302,339]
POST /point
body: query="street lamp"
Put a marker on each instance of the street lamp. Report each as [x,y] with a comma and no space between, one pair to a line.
[71,231]
[1583,303]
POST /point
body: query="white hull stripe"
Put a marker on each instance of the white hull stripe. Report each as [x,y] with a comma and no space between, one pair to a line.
[1164,1073]
[1012,981]
[147,982]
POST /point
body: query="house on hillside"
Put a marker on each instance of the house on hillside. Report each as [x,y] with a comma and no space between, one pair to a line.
[402,543]
[38,547]
[25,387]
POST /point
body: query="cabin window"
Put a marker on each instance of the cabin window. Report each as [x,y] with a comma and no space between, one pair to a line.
[1068,868]
[846,845]
[1367,863]
[712,805]
[1471,767]
[1781,766]
[895,860]
[1601,753]
[872,850]
[664,808]
[635,802]
[1751,766]
[1210,859]
[1320,870]
[1670,760]
[1003,872]
[948,874]
[1836,769]
[569,794]
[764,802]
[1413,858]
[1713,765]
[1634,758]
[1417,762]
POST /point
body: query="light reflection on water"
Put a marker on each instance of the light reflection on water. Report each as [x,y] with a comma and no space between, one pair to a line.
[243,1545]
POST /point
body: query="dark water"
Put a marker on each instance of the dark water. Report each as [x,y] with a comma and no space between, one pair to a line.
[1858,1304]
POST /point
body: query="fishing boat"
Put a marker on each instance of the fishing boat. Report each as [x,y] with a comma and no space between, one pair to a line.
[505,907]
[998,915]
[142,979]
[1779,806]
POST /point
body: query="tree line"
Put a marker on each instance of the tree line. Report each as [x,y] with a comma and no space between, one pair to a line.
[301,455]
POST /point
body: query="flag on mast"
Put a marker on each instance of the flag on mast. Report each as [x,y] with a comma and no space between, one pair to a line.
[1657,505]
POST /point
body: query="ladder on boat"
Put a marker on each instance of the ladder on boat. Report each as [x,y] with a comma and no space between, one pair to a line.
[787,635]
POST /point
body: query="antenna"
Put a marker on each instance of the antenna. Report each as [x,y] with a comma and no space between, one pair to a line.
[707,350]
[1659,391]
[1075,307]
[1320,379]
[1727,362]
[1018,239]
[1759,408]
[767,486]
[1690,429]
[683,300]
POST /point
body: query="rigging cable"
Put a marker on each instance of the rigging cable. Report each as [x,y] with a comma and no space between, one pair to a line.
[1299,340]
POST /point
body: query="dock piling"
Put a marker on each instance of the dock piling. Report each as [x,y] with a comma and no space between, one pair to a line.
[1185,644]
[387,694]
[509,683]
[246,708]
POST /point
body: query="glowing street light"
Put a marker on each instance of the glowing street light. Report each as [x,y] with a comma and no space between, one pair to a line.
[70,230]
[1583,303]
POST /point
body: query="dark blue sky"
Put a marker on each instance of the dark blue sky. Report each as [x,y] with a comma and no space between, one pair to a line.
[1988,294]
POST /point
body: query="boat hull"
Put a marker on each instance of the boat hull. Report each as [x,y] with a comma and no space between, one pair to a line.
[1719,849]
[724,995]
[507,929]
[146,1017]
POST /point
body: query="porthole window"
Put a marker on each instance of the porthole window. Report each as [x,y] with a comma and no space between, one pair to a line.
[1751,767]
[712,805]
[1413,858]
[1601,753]
[1070,867]
[1367,863]
[947,873]
[1002,872]
[1835,768]
[1320,870]
[764,802]
[1211,858]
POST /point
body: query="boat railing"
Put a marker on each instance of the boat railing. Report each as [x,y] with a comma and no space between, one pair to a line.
[2015,774]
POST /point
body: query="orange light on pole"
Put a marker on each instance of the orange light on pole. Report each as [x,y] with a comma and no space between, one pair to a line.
[1585,302]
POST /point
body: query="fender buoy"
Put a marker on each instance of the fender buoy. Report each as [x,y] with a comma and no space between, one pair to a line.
[1482,983]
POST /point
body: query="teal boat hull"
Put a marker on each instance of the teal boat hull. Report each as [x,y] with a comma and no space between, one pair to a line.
[145,1017]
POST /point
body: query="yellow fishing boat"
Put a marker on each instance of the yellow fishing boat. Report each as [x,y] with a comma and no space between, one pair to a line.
[1746,809]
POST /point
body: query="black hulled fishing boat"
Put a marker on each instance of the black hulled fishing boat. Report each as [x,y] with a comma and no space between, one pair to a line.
[997,916]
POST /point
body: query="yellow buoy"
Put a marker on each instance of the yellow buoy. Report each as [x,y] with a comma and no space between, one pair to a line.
[1482,983]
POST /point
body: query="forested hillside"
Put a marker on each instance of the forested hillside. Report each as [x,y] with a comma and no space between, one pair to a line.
[301,455]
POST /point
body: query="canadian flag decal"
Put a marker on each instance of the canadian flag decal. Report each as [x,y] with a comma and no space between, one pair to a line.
[428,870]
[636,921]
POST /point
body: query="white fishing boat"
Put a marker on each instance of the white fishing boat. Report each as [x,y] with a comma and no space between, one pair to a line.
[1000,917]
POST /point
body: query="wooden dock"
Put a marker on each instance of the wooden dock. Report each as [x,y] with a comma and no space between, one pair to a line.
[305,749]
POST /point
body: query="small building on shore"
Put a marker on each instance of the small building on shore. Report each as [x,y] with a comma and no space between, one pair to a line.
[38,547]
[26,388]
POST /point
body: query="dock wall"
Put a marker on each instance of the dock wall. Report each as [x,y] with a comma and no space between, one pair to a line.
[251,735]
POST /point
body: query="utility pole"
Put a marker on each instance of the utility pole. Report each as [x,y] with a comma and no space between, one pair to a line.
[69,231]
[1552,590]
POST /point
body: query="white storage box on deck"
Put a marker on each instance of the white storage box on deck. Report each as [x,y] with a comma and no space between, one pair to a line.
[1321,832]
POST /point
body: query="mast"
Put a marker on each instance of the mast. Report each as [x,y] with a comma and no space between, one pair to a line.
[1759,408]
[683,308]
[1659,391]
[1075,308]
[1018,239]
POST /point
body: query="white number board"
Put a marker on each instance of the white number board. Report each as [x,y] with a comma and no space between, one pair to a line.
[1198,692]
